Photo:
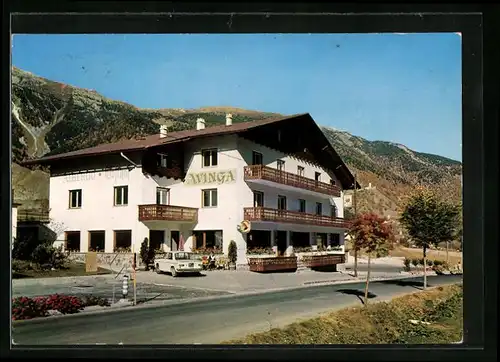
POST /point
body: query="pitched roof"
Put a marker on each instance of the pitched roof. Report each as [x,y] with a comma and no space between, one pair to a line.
[347,178]
[156,140]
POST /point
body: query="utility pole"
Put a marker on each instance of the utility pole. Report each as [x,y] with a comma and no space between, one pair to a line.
[355,199]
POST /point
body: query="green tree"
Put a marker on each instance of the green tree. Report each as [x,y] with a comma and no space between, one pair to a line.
[429,220]
[232,252]
[374,234]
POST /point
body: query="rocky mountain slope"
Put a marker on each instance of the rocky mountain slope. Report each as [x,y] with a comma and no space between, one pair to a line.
[50,117]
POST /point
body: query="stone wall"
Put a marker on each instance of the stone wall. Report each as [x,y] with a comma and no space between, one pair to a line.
[111,261]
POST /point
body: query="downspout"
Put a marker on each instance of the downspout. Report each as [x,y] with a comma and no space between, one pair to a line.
[128,159]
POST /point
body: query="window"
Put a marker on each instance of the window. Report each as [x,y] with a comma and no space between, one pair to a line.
[163,160]
[123,239]
[97,240]
[209,198]
[300,171]
[169,256]
[317,176]
[257,158]
[319,208]
[334,240]
[72,240]
[281,202]
[209,158]
[121,195]
[75,199]
[281,165]
[162,196]
[333,211]
[302,205]
[258,199]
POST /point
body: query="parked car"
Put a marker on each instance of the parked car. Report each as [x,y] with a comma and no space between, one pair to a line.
[178,262]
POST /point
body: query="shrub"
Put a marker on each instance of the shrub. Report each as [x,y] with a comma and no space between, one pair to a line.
[27,308]
[430,262]
[21,266]
[23,248]
[407,263]
[415,262]
[438,262]
[64,304]
[42,255]
[91,300]
[421,262]
[232,252]
[58,259]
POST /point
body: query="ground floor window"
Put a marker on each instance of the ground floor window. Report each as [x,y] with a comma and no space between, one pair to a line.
[123,240]
[97,240]
[257,239]
[321,240]
[334,239]
[72,241]
[300,239]
[208,239]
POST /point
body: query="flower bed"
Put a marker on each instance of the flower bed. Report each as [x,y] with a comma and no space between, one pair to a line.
[28,308]
[313,261]
[271,263]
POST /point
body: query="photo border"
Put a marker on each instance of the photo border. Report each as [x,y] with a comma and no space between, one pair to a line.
[294,18]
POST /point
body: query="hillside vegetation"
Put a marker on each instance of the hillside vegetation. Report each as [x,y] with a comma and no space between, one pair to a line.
[50,117]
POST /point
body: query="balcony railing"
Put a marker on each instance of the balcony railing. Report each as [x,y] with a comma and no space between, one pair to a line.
[155,212]
[261,172]
[295,217]
[33,216]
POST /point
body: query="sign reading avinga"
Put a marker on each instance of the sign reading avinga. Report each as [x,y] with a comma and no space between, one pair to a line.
[210,177]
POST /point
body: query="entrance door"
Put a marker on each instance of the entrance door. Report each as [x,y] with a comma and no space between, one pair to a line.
[174,240]
[281,242]
[156,238]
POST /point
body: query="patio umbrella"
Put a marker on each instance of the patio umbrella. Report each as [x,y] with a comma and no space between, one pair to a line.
[181,243]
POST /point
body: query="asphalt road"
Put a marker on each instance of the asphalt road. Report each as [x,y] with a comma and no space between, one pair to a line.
[206,321]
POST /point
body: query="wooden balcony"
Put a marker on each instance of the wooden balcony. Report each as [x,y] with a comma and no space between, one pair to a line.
[33,216]
[155,212]
[261,172]
[294,217]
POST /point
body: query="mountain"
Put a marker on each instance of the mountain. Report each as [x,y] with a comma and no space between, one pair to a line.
[49,117]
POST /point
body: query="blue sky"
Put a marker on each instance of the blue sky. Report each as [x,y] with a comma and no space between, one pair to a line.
[390,87]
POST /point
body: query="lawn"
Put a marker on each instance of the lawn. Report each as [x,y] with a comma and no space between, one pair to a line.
[73,270]
[398,321]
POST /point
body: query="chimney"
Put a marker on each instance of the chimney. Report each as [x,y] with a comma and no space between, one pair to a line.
[200,124]
[163,131]
[229,119]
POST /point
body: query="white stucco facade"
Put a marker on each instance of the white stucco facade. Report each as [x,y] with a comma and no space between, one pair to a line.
[98,213]
[14,223]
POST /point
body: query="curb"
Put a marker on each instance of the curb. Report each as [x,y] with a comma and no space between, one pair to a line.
[198,300]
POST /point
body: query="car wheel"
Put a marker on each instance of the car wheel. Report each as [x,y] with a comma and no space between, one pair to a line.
[173,272]
[157,269]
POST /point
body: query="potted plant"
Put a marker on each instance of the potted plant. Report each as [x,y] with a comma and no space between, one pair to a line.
[232,255]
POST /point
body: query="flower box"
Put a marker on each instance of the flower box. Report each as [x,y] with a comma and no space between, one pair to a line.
[269,264]
[313,261]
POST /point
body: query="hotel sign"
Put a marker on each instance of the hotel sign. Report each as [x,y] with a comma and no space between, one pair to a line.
[210,177]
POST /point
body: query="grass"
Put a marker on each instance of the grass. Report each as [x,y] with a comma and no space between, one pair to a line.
[379,323]
[72,270]
[453,257]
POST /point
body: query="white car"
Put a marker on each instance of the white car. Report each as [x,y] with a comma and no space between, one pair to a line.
[178,262]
